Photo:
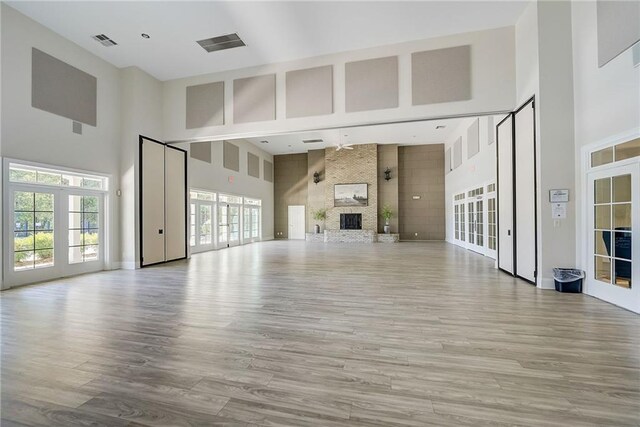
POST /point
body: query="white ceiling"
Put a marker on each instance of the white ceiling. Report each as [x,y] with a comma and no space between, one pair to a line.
[274,31]
[412,133]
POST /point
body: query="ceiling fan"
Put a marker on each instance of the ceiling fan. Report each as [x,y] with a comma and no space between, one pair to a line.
[345,146]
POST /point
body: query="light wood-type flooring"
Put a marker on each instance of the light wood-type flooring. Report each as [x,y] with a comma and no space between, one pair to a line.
[287,333]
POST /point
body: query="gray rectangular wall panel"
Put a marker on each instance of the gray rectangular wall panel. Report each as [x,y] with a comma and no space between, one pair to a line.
[442,75]
[268,171]
[205,105]
[310,92]
[201,151]
[447,161]
[457,153]
[618,28]
[62,89]
[231,156]
[253,165]
[473,139]
[254,99]
[371,84]
[491,129]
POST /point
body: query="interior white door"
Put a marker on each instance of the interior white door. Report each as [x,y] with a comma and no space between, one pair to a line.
[175,204]
[152,205]
[525,193]
[614,219]
[504,140]
[234,225]
[296,222]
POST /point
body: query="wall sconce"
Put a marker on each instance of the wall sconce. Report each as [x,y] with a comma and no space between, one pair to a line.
[387,174]
[316,177]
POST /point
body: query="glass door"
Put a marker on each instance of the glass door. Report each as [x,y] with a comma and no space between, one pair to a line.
[492,229]
[223,225]
[250,224]
[84,230]
[475,220]
[612,273]
[234,224]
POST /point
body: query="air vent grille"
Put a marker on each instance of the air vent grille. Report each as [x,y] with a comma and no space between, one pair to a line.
[104,40]
[311,141]
[227,41]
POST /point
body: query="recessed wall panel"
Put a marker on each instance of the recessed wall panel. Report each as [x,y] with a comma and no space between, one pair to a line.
[253,165]
[268,171]
[62,89]
[491,130]
[473,139]
[441,75]
[231,156]
[205,105]
[201,151]
[447,161]
[618,28]
[254,99]
[457,153]
[371,84]
[310,92]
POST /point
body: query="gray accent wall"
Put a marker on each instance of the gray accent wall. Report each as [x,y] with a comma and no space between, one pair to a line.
[268,170]
[388,190]
[253,165]
[315,192]
[473,139]
[62,89]
[254,99]
[441,75]
[371,84]
[309,92]
[421,175]
[201,151]
[205,105]
[231,156]
[289,188]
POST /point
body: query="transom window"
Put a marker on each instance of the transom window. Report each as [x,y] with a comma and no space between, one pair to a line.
[43,176]
[228,198]
[203,195]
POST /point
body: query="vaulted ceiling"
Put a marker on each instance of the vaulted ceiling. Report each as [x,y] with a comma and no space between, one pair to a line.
[274,31]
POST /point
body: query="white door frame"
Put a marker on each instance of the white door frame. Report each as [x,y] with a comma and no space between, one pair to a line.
[628,298]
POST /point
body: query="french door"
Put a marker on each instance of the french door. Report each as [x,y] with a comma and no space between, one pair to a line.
[614,220]
[53,233]
[202,230]
[251,224]
[228,224]
[475,220]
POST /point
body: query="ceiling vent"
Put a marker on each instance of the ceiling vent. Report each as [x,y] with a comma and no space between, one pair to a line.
[440,127]
[227,41]
[104,40]
[311,141]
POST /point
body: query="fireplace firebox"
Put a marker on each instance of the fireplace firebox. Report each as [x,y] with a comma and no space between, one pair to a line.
[350,221]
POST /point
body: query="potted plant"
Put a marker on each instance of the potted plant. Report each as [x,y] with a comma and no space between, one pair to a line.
[386,214]
[319,215]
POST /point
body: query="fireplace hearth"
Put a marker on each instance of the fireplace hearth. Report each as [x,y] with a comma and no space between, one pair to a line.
[350,221]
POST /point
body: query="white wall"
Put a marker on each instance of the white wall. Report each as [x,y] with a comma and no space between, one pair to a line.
[493,88]
[472,173]
[141,115]
[607,101]
[38,136]
[214,177]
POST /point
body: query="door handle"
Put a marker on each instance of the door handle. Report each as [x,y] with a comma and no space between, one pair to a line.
[160,231]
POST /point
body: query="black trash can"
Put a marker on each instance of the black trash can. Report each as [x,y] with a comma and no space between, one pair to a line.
[568,279]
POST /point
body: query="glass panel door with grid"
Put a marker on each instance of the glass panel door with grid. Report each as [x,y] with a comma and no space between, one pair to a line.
[614,220]
[492,229]
[234,224]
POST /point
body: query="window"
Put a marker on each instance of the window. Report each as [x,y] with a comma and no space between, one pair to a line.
[491,212]
[192,228]
[206,230]
[227,198]
[622,151]
[254,202]
[84,228]
[202,195]
[33,230]
[38,175]
[612,228]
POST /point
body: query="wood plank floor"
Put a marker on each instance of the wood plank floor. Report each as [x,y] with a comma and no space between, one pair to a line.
[288,333]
